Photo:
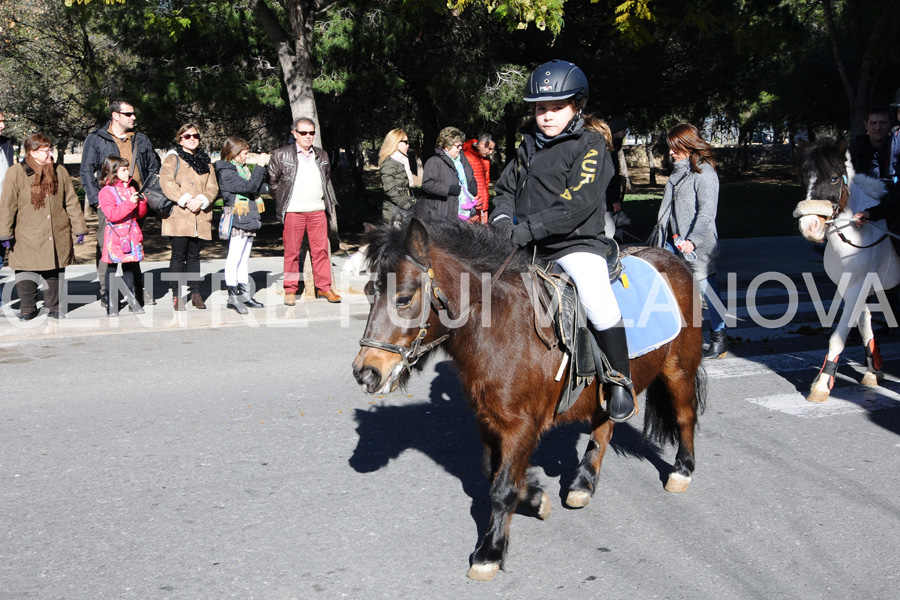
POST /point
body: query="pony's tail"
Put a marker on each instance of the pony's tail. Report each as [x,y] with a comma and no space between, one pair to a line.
[660,418]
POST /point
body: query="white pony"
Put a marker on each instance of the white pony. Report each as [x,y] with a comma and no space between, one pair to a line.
[859,259]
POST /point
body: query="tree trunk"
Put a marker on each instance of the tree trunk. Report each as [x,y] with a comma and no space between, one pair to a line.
[651,162]
[294,56]
[858,92]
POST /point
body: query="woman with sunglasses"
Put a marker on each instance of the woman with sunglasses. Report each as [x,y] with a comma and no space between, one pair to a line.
[448,181]
[396,176]
[39,214]
[187,178]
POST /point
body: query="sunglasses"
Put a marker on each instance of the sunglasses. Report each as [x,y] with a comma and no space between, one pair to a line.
[125,114]
[404,142]
[298,132]
[190,136]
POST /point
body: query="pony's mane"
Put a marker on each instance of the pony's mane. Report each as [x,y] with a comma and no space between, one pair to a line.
[481,247]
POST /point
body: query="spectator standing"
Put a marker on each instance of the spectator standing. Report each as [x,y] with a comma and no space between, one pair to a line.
[6,161]
[122,236]
[870,153]
[396,176]
[240,191]
[39,213]
[6,146]
[895,142]
[478,152]
[448,181]
[187,178]
[552,197]
[688,210]
[300,179]
[116,138]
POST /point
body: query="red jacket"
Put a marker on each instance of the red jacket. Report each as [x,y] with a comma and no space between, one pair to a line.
[482,168]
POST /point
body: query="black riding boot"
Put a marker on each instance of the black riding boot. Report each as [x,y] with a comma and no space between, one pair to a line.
[718,345]
[246,298]
[621,401]
[235,302]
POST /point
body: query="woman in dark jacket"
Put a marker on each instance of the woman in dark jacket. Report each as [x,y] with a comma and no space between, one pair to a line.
[553,196]
[240,191]
[448,181]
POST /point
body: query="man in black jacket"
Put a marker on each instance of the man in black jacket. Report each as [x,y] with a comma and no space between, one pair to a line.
[116,138]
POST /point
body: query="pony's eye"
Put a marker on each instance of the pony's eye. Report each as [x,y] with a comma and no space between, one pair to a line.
[404,301]
[834,180]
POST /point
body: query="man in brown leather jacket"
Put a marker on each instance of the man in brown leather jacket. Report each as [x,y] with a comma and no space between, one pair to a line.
[300,180]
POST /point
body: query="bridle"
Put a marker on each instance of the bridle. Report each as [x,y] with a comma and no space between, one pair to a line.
[410,355]
[836,209]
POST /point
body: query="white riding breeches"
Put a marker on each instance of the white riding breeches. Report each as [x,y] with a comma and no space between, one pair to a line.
[591,276]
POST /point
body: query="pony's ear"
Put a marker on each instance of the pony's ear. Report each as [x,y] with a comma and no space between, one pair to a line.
[369,228]
[842,145]
[417,241]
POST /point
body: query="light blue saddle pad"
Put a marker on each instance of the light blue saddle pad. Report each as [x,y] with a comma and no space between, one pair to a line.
[648,307]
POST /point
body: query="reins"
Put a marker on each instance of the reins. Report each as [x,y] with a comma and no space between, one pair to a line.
[834,219]
[410,355]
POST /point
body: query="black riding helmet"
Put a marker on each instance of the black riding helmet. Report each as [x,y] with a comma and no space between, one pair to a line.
[896,102]
[557,80]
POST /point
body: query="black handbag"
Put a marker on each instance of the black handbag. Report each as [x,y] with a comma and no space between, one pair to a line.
[156,199]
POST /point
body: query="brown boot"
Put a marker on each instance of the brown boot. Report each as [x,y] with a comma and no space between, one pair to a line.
[328,295]
[290,299]
[197,301]
[178,303]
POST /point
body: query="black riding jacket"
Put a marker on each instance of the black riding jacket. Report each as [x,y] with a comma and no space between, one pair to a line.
[559,191]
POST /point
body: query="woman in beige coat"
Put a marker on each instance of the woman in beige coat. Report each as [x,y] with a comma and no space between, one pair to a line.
[188,179]
[39,213]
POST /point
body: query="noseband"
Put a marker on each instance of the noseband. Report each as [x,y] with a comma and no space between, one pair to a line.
[410,355]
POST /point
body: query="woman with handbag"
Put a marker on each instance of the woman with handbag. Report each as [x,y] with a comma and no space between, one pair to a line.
[187,179]
[396,176]
[241,217]
[687,220]
[123,239]
[448,181]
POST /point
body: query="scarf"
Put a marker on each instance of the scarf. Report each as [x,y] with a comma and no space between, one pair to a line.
[466,201]
[45,183]
[242,203]
[403,160]
[199,162]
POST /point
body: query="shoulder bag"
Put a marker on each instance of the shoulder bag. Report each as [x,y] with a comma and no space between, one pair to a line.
[156,199]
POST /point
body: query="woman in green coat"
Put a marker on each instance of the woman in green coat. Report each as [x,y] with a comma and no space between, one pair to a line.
[396,176]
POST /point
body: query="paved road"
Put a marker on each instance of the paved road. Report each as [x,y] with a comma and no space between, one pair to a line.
[243,462]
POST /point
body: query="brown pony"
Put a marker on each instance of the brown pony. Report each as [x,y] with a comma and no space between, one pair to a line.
[433,287]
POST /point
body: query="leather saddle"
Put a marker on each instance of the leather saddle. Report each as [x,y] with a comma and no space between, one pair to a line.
[556,301]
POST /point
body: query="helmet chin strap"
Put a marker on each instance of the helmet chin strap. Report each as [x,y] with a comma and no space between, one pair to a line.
[574,122]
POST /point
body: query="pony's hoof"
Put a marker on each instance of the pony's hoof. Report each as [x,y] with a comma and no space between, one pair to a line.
[578,499]
[483,572]
[817,396]
[677,483]
[544,508]
[871,378]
